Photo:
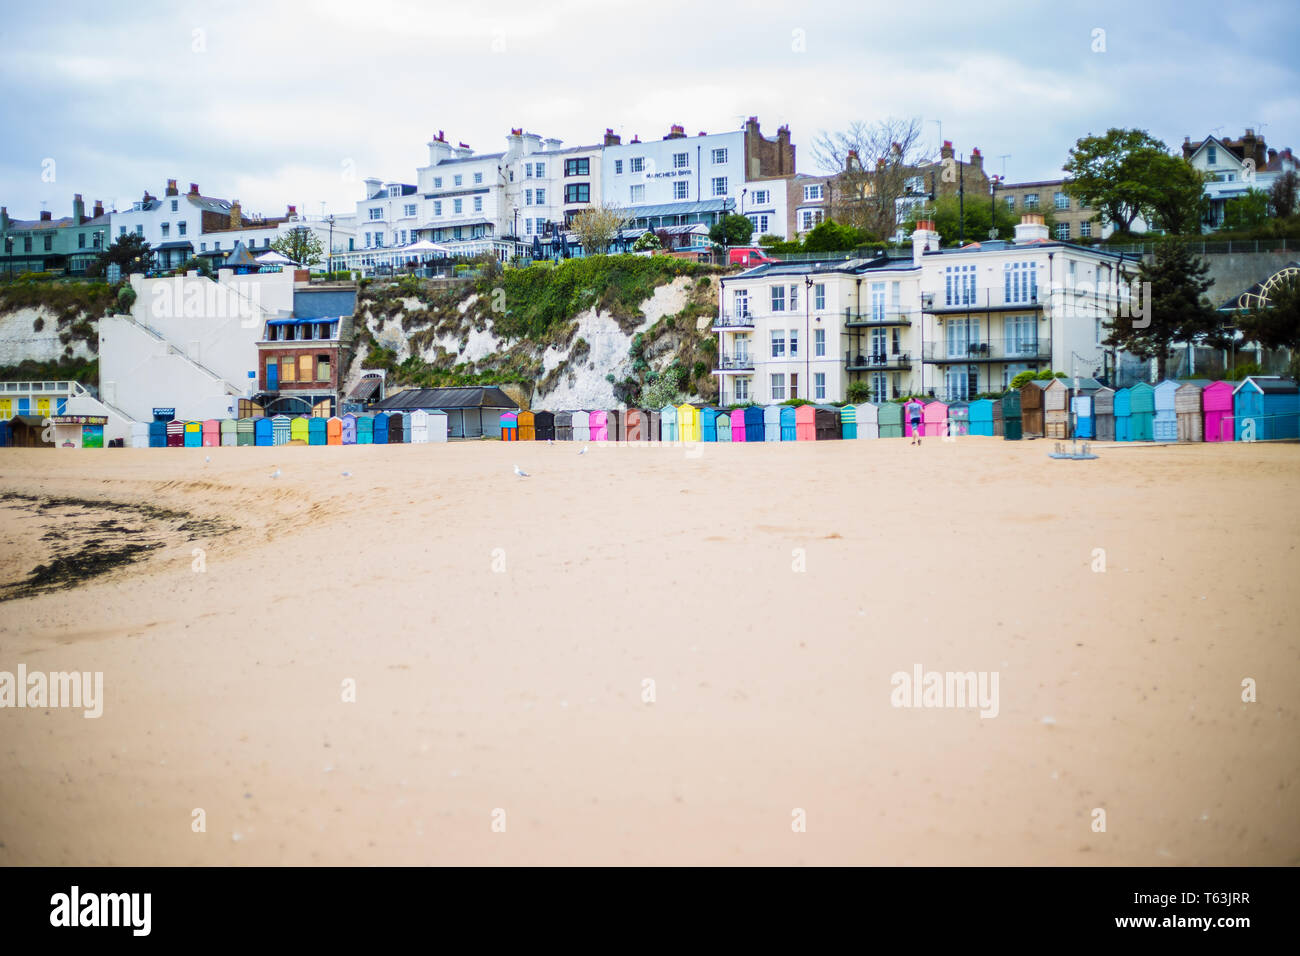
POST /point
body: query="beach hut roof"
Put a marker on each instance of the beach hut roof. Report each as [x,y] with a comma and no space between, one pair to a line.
[1269,384]
[475,396]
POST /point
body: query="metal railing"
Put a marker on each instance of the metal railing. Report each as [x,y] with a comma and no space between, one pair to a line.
[730,321]
[887,317]
[940,352]
[872,361]
[730,363]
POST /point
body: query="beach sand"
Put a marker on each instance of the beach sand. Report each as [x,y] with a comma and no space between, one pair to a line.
[500,633]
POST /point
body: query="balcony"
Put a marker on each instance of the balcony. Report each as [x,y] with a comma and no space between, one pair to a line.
[876,362]
[940,353]
[735,363]
[938,305]
[877,319]
[729,320]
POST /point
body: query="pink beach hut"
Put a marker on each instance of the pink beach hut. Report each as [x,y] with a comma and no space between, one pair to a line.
[935,420]
[211,433]
[598,422]
[805,423]
[738,425]
[1216,401]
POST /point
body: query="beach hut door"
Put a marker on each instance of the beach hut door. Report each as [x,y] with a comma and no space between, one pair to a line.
[272,376]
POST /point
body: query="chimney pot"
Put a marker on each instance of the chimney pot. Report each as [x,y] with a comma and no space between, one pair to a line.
[194,189]
[46,215]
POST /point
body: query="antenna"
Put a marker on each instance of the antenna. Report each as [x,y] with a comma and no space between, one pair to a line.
[1004,157]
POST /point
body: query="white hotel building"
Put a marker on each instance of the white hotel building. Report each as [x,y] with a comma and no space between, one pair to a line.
[952,323]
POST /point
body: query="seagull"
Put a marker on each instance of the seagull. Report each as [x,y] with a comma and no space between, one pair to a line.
[347,474]
[584,450]
[520,472]
[207,458]
[276,473]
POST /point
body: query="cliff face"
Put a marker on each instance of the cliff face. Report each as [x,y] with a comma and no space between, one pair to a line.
[49,323]
[586,334]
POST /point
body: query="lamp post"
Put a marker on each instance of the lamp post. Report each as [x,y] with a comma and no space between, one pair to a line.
[807,332]
[329,256]
[993,206]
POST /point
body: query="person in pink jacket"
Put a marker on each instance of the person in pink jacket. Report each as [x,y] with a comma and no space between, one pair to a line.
[915,412]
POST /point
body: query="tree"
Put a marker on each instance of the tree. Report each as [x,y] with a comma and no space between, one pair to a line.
[596,227]
[732,230]
[1173,307]
[1275,325]
[871,163]
[1129,173]
[948,212]
[130,252]
[1246,212]
[830,236]
[194,264]
[1284,194]
[300,244]
[647,240]
[858,392]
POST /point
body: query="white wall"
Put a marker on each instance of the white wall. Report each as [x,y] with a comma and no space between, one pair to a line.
[659,173]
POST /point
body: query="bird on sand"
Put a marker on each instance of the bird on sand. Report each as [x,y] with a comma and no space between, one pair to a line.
[276,473]
[520,472]
[584,450]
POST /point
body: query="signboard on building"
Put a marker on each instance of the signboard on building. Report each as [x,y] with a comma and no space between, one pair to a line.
[80,419]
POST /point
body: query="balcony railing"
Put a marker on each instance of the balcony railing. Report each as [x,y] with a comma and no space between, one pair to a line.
[980,301]
[735,363]
[877,319]
[941,352]
[876,361]
[728,320]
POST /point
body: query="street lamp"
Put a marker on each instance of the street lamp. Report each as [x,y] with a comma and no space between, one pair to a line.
[993,210]
[329,256]
[807,333]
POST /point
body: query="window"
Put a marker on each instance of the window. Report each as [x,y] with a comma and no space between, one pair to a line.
[1022,335]
[778,343]
[478,179]
[528,197]
[812,192]
[638,194]
[762,197]
[778,298]
[636,164]
[877,293]
[819,342]
[794,343]
[819,384]
[394,191]
[478,203]
[1212,155]
[577,167]
[437,182]
[528,170]
[577,192]
[540,196]
[376,213]
[175,205]
[719,185]
[808,218]
[1061,200]
[681,160]
[618,167]
[457,179]
[287,369]
[778,383]
[305,368]
[401,237]
[408,209]
[180,228]
[879,386]
[216,246]
[794,298]
[139,230]
[437,207]
[1011,202]
[166,229]
[379,240]
[819,296]
[681,189]
[457,206]
[540,169]
[322,368]
[49,243]
[1085,229]
[1031,200]
[760,221]
[203,247]
[81,240]
[121,230]
[1062,231]
[1020,281]
[719,156]
[741,300]
[742,390]
[959,285]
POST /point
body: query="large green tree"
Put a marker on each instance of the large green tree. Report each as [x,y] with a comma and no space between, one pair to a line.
[300,244]
[732,230]
[1128,173]
[129,251]
[1284,197]
[829,236]
[1246,212]
[1172,306]
[977,212]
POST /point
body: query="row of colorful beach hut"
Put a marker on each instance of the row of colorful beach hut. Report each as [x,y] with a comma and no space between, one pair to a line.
[384,428]
[1261,407]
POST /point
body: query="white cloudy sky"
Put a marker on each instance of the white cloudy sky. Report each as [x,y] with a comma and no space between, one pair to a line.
[277,103]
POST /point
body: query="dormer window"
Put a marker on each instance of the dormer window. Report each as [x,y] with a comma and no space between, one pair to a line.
[1212,156]
[394,190]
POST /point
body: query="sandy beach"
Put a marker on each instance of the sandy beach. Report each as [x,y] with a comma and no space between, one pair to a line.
[501,634]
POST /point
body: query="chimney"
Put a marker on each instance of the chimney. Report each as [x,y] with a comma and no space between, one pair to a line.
[78,210]
[635,139]
[977,159]
[676,132]
[292,213]
[372,187]
[612,138]
[702,133]
[171,188]
[924,239]
[946,151]
[46,215]
[236,215]
[194,189]
[1031,228]
[4,218]
[99,208]
[438,149]
[851,161]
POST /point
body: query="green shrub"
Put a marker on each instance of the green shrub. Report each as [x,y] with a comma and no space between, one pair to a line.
[858,392]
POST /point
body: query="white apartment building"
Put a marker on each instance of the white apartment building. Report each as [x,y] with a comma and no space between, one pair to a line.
[952,323]
[1235,167]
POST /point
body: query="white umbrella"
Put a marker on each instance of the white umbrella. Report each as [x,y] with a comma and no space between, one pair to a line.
[424,245]
[274,258]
